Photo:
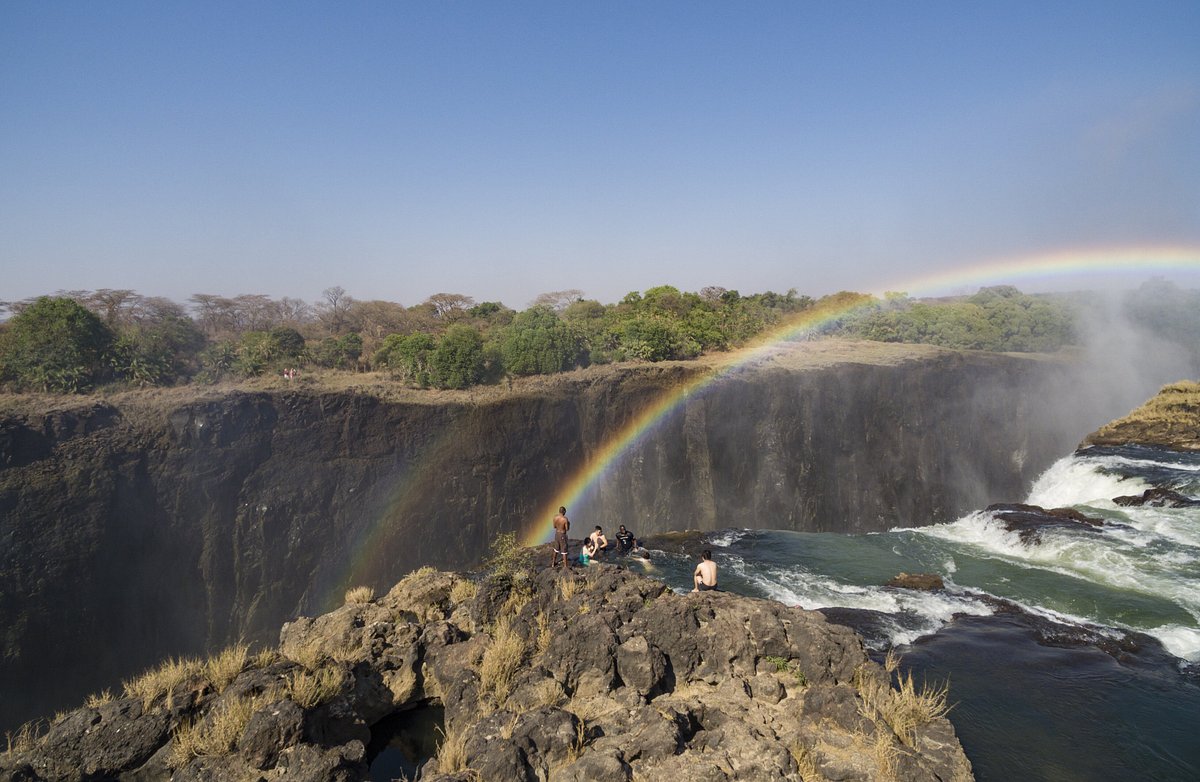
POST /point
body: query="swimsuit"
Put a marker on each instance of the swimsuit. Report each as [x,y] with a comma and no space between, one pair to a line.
[703,587]
[560,542]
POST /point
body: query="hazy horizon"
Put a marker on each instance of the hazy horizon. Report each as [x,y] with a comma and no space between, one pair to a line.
[402,150]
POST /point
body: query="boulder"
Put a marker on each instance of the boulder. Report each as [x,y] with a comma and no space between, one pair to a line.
[927,582]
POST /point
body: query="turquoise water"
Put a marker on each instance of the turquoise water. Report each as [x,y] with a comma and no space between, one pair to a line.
[1092,669]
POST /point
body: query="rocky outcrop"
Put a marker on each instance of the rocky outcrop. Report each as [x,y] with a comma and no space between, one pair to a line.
[1028,521]
[584,675]
[926,582]
[1170,419]
[176,521]
[1157,498]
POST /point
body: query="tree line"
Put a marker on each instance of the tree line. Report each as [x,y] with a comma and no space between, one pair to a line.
[75,341]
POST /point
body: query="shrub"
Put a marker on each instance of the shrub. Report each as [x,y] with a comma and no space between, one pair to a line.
[55,344]
[457,361]
[538,342]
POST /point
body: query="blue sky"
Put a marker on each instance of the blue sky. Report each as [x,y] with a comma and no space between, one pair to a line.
[502,150]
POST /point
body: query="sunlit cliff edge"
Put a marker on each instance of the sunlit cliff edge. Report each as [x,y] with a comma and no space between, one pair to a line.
[1170,419]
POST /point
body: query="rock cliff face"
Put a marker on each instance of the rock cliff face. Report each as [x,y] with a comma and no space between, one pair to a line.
[132,531]
[567,677]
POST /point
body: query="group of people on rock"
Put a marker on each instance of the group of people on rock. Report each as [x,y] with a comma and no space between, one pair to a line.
[596,547]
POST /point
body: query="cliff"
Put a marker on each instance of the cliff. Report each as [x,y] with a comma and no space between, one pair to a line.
[173,522]
[525,675]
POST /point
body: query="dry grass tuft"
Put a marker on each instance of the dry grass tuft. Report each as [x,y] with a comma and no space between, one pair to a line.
[223,667]
[24,738]
[98,699]
[452,752]
[463,591]
[543,632]
[359,595]
[162,681]
[310,690]
[904,708]
[501,660]
[420,572]
[806,764]
[264,658]
[217,734]
[547,692]
[568,587]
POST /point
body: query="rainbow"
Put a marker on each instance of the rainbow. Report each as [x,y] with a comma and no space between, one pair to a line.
[1125,260]
[362,556]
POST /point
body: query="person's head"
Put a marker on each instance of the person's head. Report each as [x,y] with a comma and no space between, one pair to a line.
[598,528]
[562,509]
[621,528]
[706,554]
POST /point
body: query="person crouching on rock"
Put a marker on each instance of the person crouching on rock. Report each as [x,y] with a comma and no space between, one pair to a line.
[588,551]
[705,576]
[600,542]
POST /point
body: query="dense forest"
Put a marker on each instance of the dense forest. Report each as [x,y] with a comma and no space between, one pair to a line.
[76,341]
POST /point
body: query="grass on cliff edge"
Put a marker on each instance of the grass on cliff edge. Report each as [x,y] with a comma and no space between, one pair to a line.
[1171,418]
[813,354]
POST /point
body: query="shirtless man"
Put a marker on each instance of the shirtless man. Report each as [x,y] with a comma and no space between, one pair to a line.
[705,577]
[561,525]
[600,542]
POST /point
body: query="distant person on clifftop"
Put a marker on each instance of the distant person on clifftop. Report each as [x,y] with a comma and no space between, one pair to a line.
[705,577]
[626,542]
[600,542]
[561,525]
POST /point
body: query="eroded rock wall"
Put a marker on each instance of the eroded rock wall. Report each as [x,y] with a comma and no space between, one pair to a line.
[125,537]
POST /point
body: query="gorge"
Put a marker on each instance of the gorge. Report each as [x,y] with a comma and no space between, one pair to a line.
[148,524]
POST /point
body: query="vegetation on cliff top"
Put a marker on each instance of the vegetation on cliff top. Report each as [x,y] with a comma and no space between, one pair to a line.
[1170,419]
[79,340]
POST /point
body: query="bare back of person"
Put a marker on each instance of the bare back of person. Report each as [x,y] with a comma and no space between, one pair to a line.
[561,526]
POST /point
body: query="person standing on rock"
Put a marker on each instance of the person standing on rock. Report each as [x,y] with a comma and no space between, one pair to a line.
[705,577]
[561,525]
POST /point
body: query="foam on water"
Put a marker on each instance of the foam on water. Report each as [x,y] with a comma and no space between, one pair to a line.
[926,612]
[1077,481]
[1183,642]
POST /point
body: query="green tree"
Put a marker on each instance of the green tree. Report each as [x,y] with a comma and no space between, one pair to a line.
[457,361]
[55,344]
[338,352]
[538,342]
[407,355]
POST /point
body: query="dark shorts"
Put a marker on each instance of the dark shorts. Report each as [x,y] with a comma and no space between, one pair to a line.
[560,542]
[703,587]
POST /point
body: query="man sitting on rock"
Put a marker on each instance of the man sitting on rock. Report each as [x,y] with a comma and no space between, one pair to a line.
[600,542]
[705,576]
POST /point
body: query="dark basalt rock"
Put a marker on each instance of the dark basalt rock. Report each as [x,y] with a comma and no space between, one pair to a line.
[615,677]
[1157,498]
[1028,521]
